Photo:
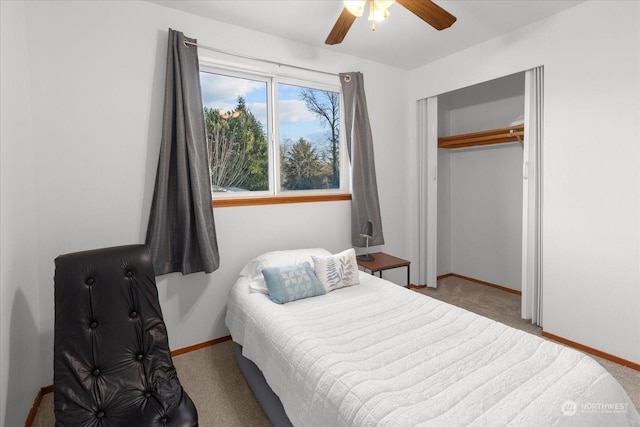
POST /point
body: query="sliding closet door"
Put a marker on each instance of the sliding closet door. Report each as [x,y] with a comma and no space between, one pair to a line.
[532,197]
[428,191]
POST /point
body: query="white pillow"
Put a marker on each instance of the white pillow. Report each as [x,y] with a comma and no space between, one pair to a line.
[337,271]
[258,285]
[253,269]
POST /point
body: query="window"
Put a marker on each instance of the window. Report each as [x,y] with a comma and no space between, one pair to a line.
[270,136]
[236,119]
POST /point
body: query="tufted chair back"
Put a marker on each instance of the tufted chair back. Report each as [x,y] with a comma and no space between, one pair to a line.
[112,364]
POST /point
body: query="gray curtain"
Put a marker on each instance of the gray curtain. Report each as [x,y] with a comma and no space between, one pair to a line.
[364,201]
[181,234]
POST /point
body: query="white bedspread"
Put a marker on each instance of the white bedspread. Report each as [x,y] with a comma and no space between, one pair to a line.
[379,354]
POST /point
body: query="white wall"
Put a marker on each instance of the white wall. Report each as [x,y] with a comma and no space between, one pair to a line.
[19,291]
[486,213]
[487,105]
[82,89]
[591,212]
[444,212]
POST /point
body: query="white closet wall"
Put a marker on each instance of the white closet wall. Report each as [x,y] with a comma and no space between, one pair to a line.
[480,188]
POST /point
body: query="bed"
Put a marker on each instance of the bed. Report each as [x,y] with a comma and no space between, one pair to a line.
[373,353]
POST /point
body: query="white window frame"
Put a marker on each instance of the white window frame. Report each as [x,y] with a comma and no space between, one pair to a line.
[272,80]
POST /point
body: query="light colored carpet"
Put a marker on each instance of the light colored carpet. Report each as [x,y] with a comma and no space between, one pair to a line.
[219,391]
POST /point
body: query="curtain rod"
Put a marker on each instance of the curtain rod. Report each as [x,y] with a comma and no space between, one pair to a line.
[188,43]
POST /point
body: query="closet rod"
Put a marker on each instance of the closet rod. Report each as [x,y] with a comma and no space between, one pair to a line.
[226,52]
[487,137]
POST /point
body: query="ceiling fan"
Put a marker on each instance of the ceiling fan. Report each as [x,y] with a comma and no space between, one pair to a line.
[426,10]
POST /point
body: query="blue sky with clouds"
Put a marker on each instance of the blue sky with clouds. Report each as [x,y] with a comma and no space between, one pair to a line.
[221,92]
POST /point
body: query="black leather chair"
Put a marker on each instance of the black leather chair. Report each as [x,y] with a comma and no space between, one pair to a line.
[112,364]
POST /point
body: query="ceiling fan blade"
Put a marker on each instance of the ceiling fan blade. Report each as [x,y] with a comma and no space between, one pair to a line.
[341,27]
[429,12]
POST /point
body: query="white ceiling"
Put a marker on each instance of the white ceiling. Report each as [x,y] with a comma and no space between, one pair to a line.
[402,40]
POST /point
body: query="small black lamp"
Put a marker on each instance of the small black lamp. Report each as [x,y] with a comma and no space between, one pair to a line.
[367,232]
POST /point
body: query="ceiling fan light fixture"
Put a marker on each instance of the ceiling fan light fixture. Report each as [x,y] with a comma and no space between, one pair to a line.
[378,15]
[426,10]
[378,9]
[355,7]
[234,114]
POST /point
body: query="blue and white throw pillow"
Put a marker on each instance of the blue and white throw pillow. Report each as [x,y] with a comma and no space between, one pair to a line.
[337,271]
[286,284]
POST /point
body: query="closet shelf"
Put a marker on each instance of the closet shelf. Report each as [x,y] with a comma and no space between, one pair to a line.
[486,137]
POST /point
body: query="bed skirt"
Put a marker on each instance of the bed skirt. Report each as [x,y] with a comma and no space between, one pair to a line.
[269,401]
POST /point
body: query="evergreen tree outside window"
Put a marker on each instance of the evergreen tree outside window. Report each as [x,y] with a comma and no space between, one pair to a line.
[310,145]
[237,138]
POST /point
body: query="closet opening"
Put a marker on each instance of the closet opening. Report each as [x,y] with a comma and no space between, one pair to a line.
[479,150]
[480,156]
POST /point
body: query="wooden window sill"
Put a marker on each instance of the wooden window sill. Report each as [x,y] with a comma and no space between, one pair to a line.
[277,200]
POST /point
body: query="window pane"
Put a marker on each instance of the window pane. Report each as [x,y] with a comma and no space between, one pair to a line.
[309,128]
[235,111]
